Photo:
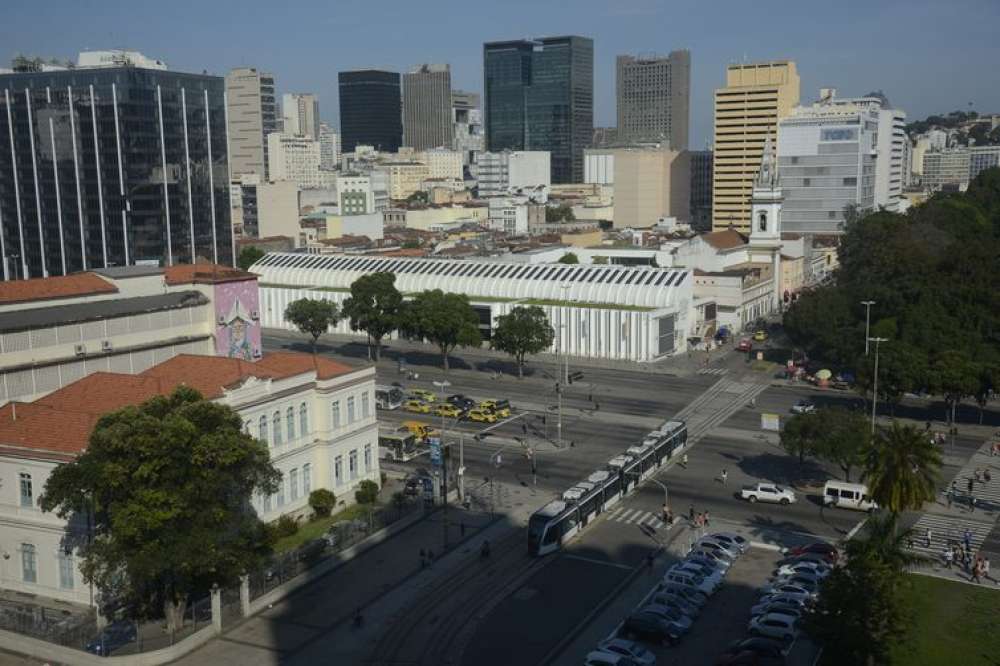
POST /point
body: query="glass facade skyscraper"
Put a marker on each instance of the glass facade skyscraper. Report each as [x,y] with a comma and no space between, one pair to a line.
[371,112]
[539,95]
[112,166]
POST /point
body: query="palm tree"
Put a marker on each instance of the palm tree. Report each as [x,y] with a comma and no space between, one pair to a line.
[902,469]
[881,543]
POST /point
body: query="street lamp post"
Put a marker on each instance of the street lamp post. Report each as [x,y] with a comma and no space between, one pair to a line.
[868,311]
[875,384]
[666,494]
[441,386]
[565,290]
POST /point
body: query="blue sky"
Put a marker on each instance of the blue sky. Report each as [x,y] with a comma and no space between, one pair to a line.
[927,56]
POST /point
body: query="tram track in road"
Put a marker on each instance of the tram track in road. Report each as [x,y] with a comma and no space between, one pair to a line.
[435,629]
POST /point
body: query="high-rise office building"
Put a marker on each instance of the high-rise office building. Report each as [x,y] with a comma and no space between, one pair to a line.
[651,182]
[113,165]
[654,96]
[329,147]
[701,190]
[294,158]
[946,169]
[300,112]
[253,114]
[747,111]
[370,111]
[539,95]
[427,121]
[827,157]
[467,127]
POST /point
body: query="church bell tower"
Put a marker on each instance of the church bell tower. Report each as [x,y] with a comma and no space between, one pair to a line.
[765,216]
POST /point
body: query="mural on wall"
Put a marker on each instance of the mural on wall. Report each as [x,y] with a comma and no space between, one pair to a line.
[237,328]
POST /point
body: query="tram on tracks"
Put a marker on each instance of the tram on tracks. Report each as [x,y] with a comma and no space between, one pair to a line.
[560,520]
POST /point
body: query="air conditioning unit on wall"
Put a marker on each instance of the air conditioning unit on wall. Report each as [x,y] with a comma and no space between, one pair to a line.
[80,350]
[107,346]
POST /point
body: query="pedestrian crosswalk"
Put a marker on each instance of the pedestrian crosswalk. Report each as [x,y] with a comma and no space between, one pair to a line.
[635,517]
[946,530]
[967,482]
[713,371]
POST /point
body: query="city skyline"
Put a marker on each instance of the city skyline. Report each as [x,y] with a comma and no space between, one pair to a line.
[869,59]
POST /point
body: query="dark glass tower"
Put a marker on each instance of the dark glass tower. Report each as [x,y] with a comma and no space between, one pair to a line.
[371,112]
[112,166]
[539,95]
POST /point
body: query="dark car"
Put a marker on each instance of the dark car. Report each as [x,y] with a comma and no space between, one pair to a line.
[648,627]
[750,658]
[827,550]
[312,550]
[767,647]
[116,635]
[463,402]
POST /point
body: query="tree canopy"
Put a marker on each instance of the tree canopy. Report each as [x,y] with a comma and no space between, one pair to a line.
[314,317]
[249,256]
[933,276]
[375,307]
[166,485]
[444,319]
[525,330]
[569,258]
[560,213]
[902,469]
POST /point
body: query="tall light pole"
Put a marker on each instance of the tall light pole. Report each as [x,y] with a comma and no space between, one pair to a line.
[441,386]
[875,385]
[868,311]
[565,290]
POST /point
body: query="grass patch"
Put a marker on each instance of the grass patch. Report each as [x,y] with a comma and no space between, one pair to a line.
[954,623]
[314,529]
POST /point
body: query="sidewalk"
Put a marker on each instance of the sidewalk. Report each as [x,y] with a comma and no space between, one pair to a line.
[389,570]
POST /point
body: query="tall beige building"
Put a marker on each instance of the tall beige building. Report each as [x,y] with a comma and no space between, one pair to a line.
[651,183]
[654,97]
[251,115]
[747,111]
[427,107]
[301,114]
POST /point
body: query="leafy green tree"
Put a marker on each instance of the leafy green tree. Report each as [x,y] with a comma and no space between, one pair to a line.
[525,330]
[166,486]
[800,433]
[953,375]
[313,317]
[322,502]
[375,307]
[367,492]
[569,258]
[444,319]
[249,256]
[843,438]
[902,469]
[560,213]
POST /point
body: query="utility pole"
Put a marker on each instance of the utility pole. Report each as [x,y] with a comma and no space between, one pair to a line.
[559,419]
[565,290]
[868,311]
[875,385]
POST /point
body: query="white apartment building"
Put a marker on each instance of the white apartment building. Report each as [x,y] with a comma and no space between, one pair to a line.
[599,166]
[509,216]
[294,158]
[509,171]
[316,416]
[946,168]
[329,147]
[442,163]
[300,112]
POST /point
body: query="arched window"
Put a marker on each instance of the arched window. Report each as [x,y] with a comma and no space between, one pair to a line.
[290,423]
[276,428]
[262,428]
[303,420]
[762,224]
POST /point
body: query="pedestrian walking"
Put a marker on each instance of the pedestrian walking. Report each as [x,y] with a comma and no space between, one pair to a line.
[976,570]
[666,513]
[724,476]
[948,555]
[670,517]
[691,514]
[970,485]
[706,519]
[684,461]
[948,497]
[986,475]
[972,503]
[967,539]
[927,537]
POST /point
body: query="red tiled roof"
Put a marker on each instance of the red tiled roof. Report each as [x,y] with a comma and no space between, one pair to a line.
[203,274]
[725,240]
[61,422]
[63,286]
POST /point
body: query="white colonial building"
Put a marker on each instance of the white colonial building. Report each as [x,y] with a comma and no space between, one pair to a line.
[316,416]
[637,313]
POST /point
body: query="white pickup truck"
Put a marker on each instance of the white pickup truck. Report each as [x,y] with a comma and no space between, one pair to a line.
[767,492]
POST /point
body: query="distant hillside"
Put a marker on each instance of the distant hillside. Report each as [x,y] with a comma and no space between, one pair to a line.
[968,124]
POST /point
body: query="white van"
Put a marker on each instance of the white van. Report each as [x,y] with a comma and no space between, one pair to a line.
[848,496]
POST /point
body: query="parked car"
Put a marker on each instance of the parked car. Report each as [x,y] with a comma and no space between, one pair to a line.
[827,550]
[709,575]
[447,410]
[690,594]
[817,558]
[116,635]
[706,550]
[731,540]
[417,407]
[606,658]
[774,625]
[744,345]
[803,407]
[821,569]
[680,622]
[630,649]
[807,581]
[777,600]
[767,492]
[311,550]
[648,627]
[789,589]
[715,544]
[761,646]
[785,609]
[750,658]
[674,600]
[423,394]
[690,579]
[702,557]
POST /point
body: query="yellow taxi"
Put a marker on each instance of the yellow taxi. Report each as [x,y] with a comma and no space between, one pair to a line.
[417,407]
[422,394]
[419,429]
[447,410]
[760,336]
[499,407]
[482,416]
